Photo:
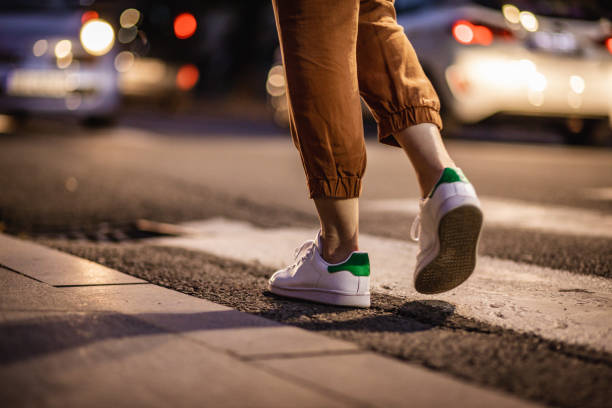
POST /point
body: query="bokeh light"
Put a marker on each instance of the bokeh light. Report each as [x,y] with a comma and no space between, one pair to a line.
[97,37]
[63,48]
[124,61]
[577,84]
[65,61]
[187,76]
[40,47]
[89,15]
[185,25]
[127,35]
[462,31]
[275,85]
[609,44]
[529,21]
[129,18]
[511,13]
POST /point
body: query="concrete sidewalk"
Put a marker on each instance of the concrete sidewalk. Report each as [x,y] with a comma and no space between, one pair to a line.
[74,333]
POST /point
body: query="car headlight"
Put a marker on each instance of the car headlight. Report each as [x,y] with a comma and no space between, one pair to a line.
[97,37]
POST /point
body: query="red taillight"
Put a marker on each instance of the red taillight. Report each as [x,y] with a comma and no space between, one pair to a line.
[185,25]
[482,35]
[89,15]
[466,32]
[187,76]
[463,31]
[609,44]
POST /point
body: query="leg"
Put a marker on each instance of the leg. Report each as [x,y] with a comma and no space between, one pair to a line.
[397,91]
[339,227]
[425,149]
[318,42]
[406,107]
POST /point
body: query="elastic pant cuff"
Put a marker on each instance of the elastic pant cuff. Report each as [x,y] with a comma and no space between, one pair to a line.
[344,187]
[414,115]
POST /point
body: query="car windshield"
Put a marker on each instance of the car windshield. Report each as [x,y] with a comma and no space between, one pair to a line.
[580,9]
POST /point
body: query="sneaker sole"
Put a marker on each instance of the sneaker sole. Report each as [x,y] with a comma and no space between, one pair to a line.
[458,232]
[319,296]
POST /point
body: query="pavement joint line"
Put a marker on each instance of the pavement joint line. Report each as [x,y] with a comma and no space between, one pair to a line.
[277,356]
[313,386]
[22,274]
[84,285]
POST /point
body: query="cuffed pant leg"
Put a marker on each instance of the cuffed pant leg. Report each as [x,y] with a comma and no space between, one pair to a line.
[318,43]
[391,79]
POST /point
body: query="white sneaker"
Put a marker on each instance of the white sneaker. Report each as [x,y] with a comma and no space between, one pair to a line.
[447,229]
[310,277]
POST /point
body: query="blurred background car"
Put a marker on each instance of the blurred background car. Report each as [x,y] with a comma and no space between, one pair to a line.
[56,59]
[549,61]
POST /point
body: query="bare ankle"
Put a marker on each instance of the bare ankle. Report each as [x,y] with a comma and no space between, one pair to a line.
[333,251]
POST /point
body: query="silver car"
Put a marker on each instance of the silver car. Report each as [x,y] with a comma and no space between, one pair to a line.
[56,58]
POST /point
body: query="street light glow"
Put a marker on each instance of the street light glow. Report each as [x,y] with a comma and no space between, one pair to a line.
[511,13]
[529,21]
[97,37]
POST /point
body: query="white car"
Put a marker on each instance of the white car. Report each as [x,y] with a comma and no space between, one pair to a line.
[549,59]
[56,58]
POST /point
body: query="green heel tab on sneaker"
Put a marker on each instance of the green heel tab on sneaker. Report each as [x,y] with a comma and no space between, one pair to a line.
[358,264]
[449,175]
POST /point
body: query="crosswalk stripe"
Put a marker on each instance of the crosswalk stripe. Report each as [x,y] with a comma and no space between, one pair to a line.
[517,214]
[554,304]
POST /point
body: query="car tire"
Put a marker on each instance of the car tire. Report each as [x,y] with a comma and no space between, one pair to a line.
[592,133]
[99,121]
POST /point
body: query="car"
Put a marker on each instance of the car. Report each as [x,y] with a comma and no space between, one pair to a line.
[57,58]
[547,59]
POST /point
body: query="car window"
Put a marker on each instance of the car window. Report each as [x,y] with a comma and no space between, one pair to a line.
[580,9]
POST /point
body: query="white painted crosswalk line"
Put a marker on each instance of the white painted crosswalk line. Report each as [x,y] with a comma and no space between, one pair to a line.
[555,304]
[517,214]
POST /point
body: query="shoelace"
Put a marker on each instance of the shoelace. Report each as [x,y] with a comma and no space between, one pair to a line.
[303,251]
[415,229]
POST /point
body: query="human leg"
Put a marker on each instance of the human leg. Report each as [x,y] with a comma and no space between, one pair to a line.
[427,153]
[318,44]
[318,40]
[339,227]
[406,108]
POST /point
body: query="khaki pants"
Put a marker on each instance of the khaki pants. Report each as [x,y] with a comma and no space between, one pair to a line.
[335,51]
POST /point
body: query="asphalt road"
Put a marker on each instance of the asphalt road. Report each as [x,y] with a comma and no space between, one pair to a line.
[548,206]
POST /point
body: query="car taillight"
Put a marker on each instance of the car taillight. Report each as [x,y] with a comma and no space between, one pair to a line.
[466,32]
[609,44]
[89,15]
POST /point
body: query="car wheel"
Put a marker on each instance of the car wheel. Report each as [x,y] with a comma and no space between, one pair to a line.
[583,132]
[99,121]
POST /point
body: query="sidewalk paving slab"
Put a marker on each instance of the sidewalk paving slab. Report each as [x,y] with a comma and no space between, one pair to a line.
[144,345]
[98,359]
[216,325]
[54,267]
[384,382]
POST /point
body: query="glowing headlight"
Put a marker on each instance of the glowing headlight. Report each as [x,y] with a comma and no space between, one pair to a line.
[97,37]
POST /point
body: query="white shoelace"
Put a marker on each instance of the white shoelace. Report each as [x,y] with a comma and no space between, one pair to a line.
[303,251]
[415,229]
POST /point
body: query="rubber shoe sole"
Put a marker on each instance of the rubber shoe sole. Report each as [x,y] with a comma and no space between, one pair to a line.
[458,234]
[321,296]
